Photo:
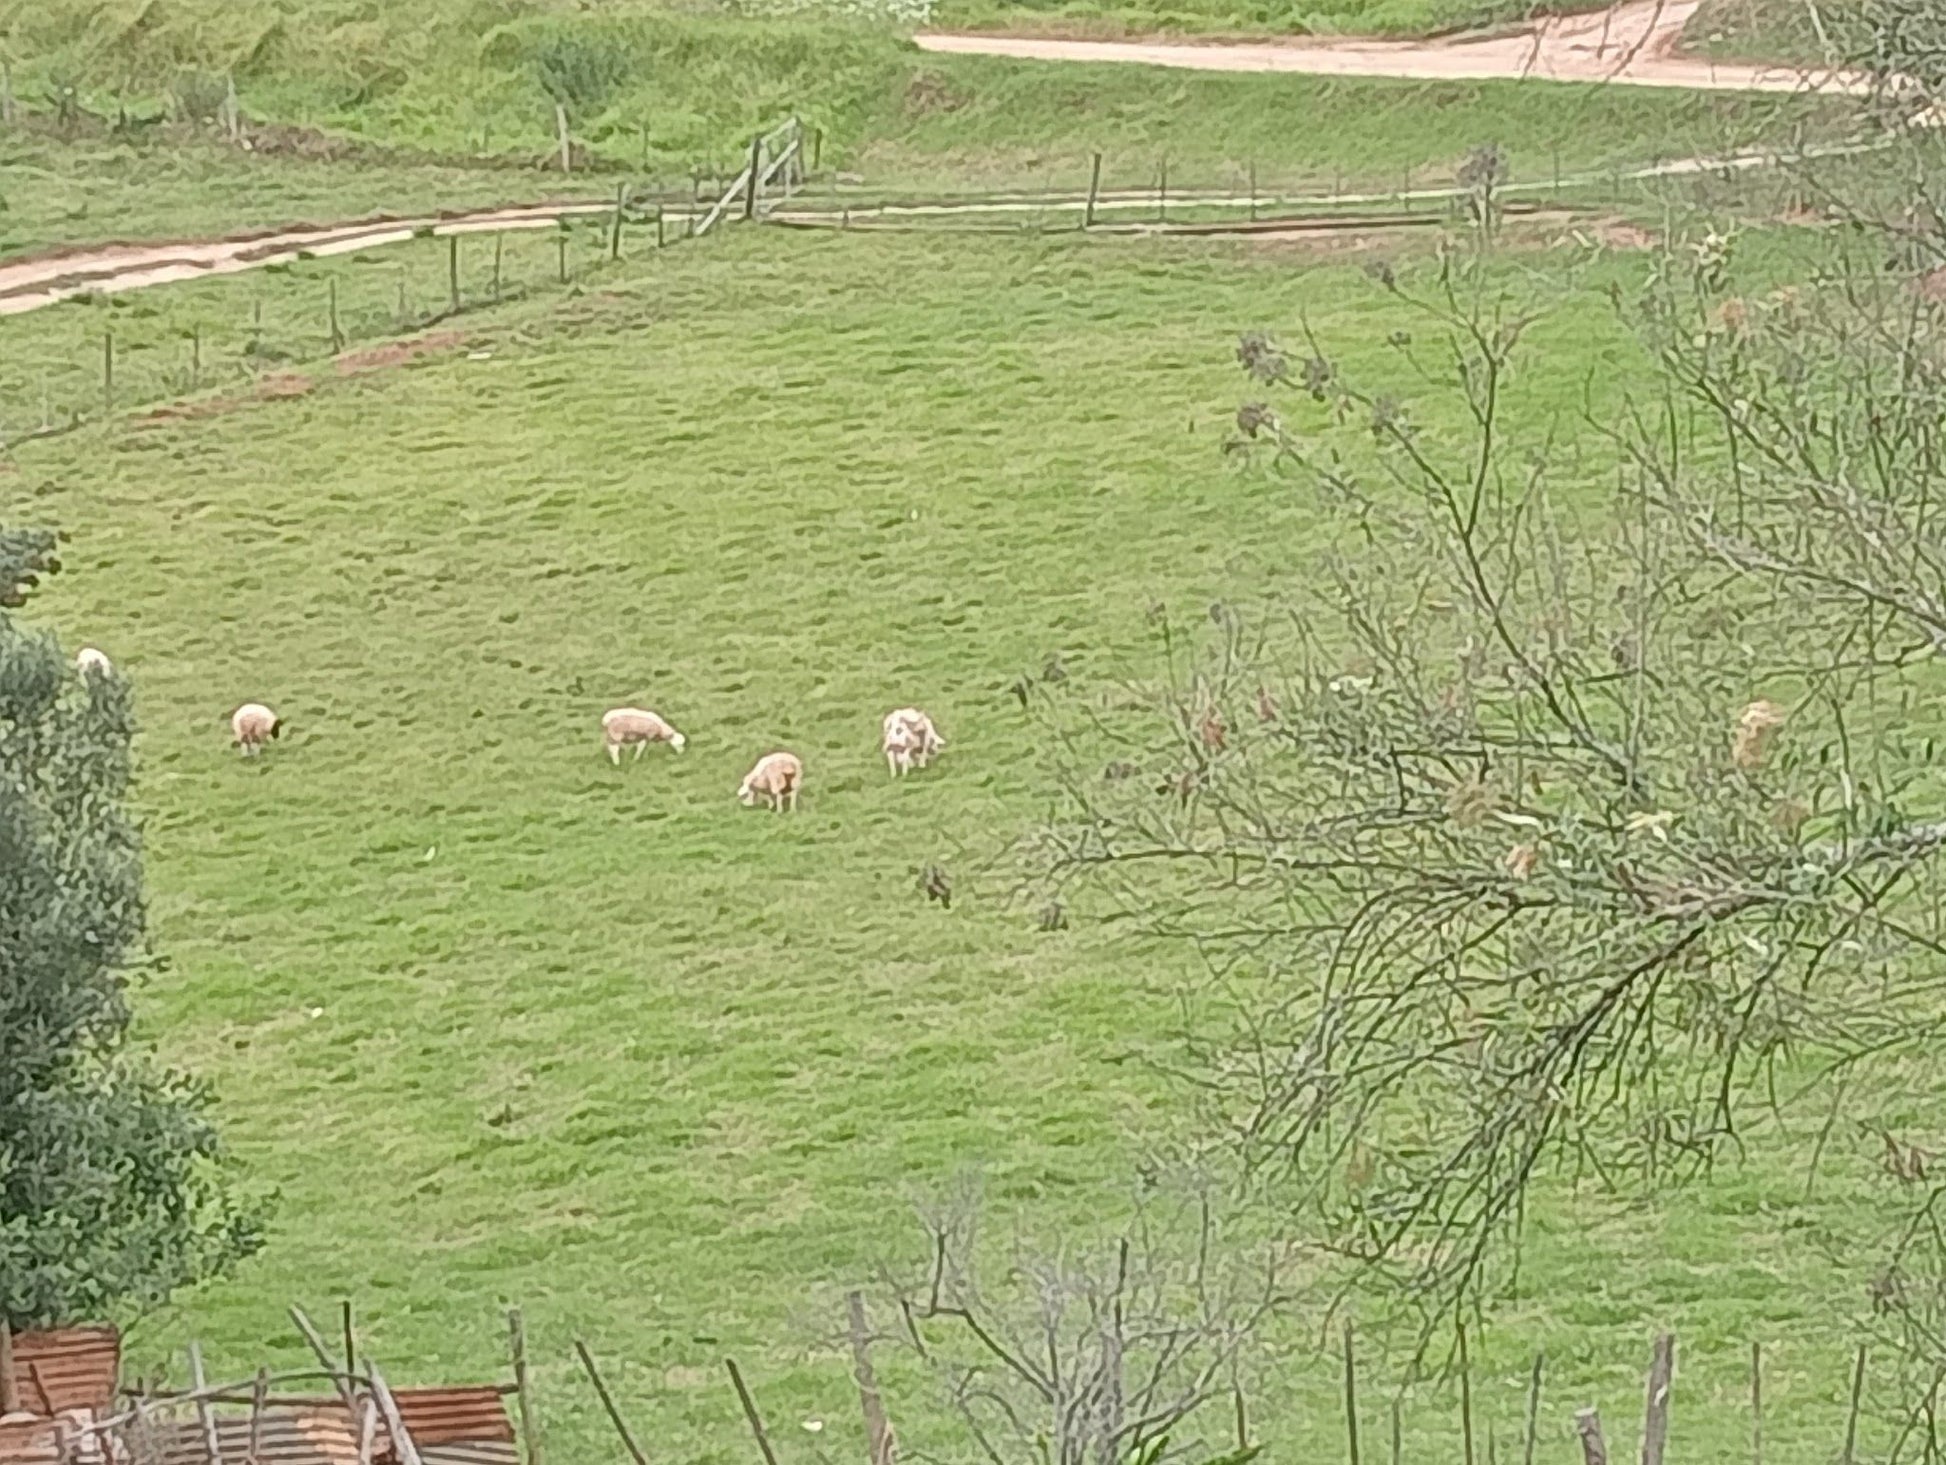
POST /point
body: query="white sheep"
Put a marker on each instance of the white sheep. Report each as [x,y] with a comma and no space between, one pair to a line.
[87,660]
[622,726]
[776,780]
[910,739]
[254,724]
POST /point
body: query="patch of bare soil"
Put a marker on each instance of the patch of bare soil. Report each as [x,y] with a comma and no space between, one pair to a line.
[397,353]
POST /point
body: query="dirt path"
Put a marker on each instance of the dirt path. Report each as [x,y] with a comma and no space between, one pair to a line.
[1635,43]
[29,284]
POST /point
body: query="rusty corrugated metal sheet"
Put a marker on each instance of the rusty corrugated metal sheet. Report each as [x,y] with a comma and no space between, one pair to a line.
[67,1368]
[284,1437]
[484,1452]
[469,1415]
[35,1442]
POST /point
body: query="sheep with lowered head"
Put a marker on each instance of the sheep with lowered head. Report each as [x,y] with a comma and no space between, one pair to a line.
[623,726]
[252,725]
[776,780]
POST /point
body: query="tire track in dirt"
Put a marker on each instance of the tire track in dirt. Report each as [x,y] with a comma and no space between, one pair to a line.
[42,280]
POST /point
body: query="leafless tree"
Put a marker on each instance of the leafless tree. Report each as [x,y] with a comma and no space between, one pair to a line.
[1133,1348]
[1580,816]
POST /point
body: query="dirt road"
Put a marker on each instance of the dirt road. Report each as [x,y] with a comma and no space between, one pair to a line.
[29,284]
[1635,44]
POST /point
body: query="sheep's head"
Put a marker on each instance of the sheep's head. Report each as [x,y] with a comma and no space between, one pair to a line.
[746,794]
[677,741]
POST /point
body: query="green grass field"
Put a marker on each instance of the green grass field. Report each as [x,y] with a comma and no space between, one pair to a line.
[502,1023]
[661,95]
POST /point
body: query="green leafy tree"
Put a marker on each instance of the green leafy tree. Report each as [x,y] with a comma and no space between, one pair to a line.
[114,1189]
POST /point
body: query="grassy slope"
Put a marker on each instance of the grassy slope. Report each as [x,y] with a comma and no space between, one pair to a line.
[945,124]
[92,189]
[1768,30]
[506,1024]
[660,94]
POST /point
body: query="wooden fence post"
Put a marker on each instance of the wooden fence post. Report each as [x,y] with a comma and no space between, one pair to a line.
[878,1429]
[499,246]
[205,1416]
[817,149]
[1466,1397]
[1094,188]
[9,1385]
[1253,190]
[232,109]
[561,251]
[607,1403]
[1756,1404]
[1655,1416]
[756,169]
[615,233]
[1533,1410]
[452,270]
[107,371]
[1351,1399]
[1587,1424]
[258,1394]
[1162,193]
[195,357]
[658,226]
[1398,1434]
[530,1425]
[337,345]
[1850,1455]
[750,1413]
[561,137]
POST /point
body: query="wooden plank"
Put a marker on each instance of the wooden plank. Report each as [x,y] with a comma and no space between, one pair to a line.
[205,1416]
[402,1446]
[325,1360]
[367,1431]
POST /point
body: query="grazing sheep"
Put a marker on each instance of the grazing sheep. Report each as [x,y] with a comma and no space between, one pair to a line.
[254,724]
[910,739]
[87,660]
[1751,741]
[622,726]
[776,780]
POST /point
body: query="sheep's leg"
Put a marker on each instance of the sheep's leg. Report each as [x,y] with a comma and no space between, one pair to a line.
[638,751]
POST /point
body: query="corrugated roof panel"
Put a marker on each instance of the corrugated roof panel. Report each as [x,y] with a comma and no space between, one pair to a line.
[36,1442]
[439,1416]
[67,1368]
[284,1437]
[471,1452]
